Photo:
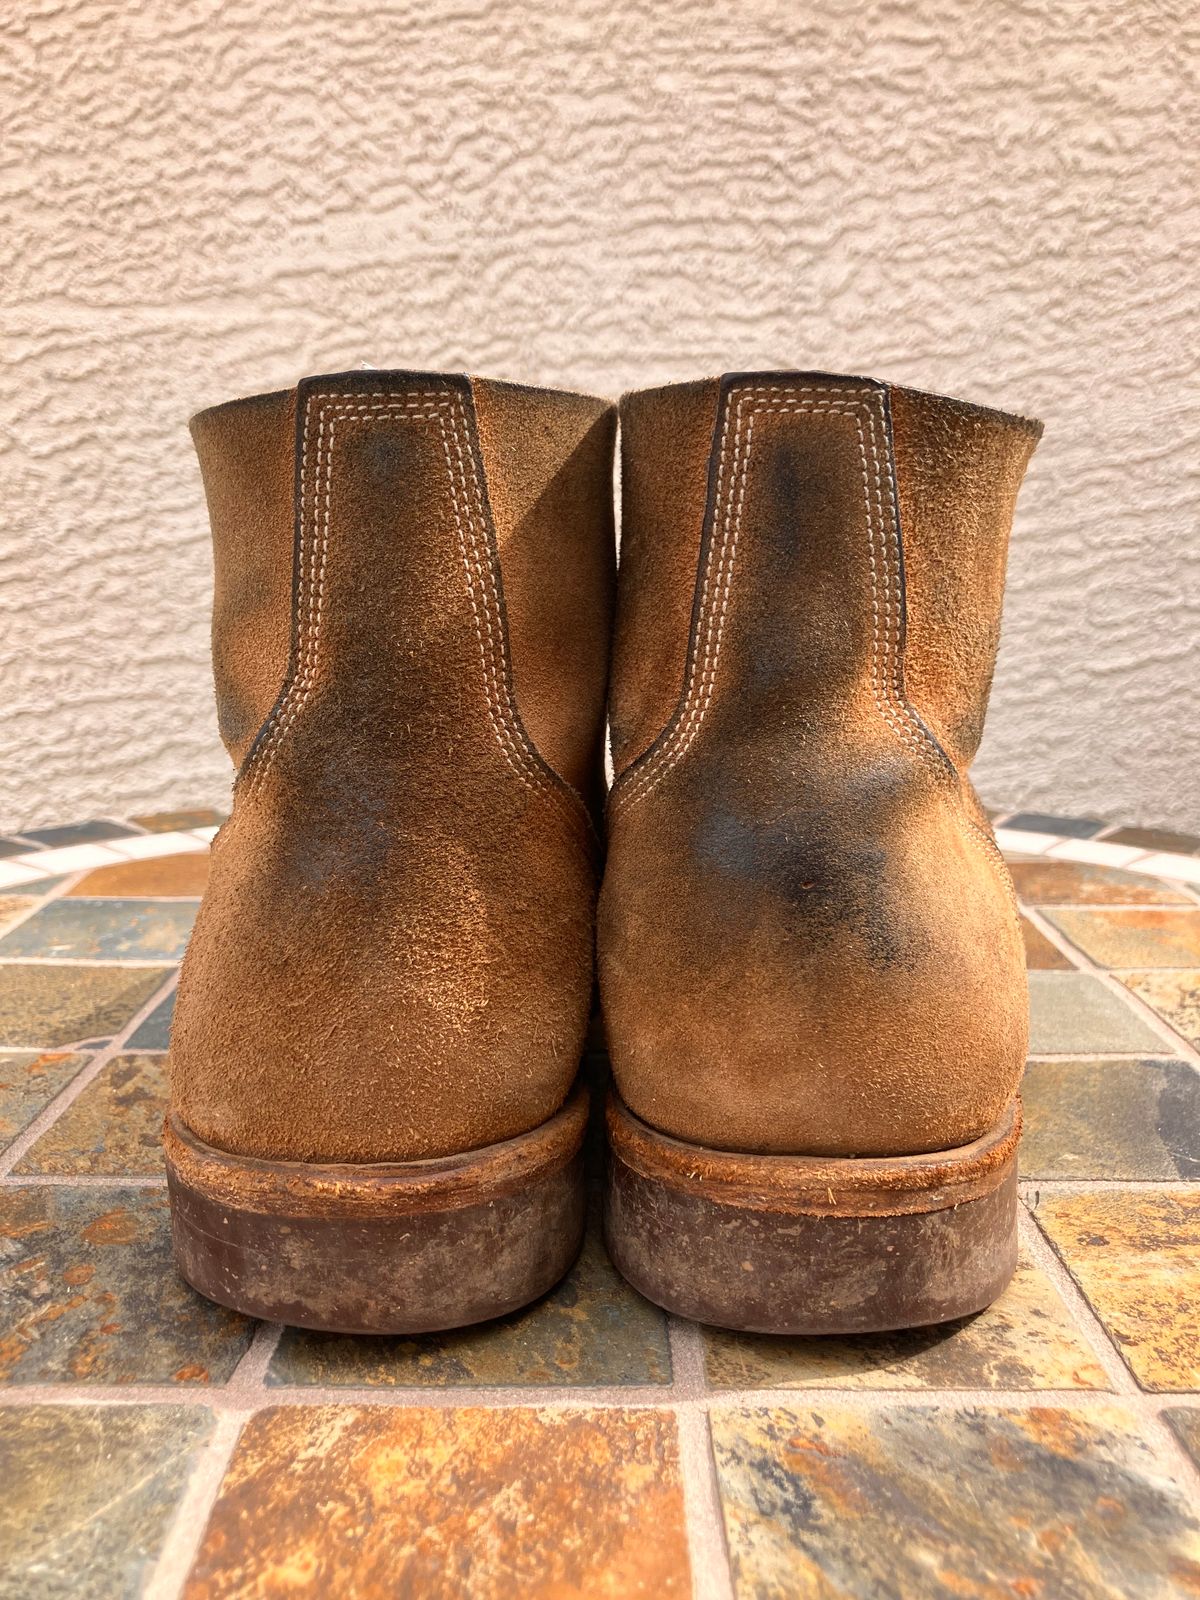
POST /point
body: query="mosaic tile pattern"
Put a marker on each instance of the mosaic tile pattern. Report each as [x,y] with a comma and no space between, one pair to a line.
[1027,1340]
[1174,995]
[89,1293]
[1073,1013]
[62,835]
[592,1329]
[104,930]
[1058,883]
[47,1007]
[1111,1119]
[943,1503]
[1184,844]
[1133,936]
[1136,1256]
[438,1466]
[182,876]
[29,1080]
[444,1503]
[113,1129]
[1040,954]
[89,1493]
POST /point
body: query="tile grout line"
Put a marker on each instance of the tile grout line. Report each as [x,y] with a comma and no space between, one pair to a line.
[704,1519]
[49,1115]
[250,1375]
[182,1544]
[1147,1405]
[1084,963]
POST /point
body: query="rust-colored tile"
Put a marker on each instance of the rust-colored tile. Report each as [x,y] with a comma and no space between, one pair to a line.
[1026,1340]
[29,1080]
[1134,936]
[935,1502]
[114,1128]
[1174,993]
[89,1293]
[377,1502]
[182,875]
[592,1329]
[1040,954]
[1063,883]
[180,821]
[89,1494]
[1136,1256]
[1111,1119]
[46,1007]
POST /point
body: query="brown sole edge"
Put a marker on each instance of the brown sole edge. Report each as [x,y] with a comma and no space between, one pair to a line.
[407,1247]
[811,1245]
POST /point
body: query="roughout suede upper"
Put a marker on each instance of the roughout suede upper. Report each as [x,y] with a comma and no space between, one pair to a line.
[414,584]
[808,941]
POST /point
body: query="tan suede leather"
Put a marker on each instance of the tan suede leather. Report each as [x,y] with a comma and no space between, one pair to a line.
[807,938]
[394,956]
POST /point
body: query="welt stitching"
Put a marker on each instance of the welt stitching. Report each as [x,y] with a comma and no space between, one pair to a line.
[312,559]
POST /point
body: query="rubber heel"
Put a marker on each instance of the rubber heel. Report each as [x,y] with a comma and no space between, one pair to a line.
[820,1245]
[410,1247]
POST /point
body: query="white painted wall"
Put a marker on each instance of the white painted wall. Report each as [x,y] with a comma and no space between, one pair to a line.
[207,198]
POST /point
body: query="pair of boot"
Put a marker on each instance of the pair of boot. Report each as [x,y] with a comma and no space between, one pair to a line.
[810,964]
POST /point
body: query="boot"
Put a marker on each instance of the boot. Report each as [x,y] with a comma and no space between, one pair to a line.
[810,960]
[373,1126]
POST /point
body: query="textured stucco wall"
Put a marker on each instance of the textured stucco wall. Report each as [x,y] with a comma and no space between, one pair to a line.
[207,198]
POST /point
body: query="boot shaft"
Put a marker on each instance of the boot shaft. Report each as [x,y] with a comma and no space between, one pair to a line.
[414,578]
[808,941]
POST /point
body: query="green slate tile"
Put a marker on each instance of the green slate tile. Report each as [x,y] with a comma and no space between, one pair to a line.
[1134,936]
[1056,883]
[104,930]
[89,1293]
[1040,954]
[114,1128]
[592,1329]
[1026,1340]
[1136,1256]
[47,1007]
[89,1495]
[938,1503]
[1186,1422]
[1174,993]
[155,1032]
[29,1080]
[1111,1119]
[1074,1013]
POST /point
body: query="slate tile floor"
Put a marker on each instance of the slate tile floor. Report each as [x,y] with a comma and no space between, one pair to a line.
[152,1444]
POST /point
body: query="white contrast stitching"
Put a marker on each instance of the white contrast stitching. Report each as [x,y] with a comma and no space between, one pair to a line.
[884,556]
[442,407]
